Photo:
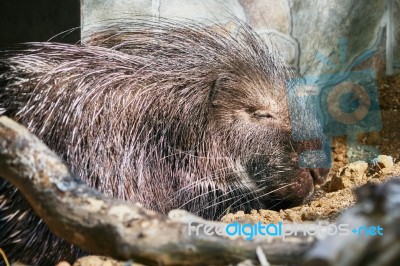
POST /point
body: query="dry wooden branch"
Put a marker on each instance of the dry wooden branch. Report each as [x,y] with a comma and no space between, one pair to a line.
[105,226]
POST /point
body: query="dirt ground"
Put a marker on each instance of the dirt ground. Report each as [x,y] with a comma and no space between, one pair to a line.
[338,193]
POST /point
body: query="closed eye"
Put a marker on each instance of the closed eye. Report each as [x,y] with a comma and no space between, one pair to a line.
[263,114]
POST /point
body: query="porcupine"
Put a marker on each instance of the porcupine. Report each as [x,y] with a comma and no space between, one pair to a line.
[169,114]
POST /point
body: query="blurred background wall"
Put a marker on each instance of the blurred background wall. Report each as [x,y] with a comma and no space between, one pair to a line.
[310,34]
[297,28]
[38,20]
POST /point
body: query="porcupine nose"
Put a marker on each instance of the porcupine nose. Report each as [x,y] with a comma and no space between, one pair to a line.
[319,175]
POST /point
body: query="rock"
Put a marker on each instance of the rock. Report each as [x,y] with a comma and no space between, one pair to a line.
[307,33]
[383,161]
[348,176]
[63,263]
[269,14]
[102,261]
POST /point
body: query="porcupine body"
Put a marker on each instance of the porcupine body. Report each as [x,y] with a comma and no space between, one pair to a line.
[170,114]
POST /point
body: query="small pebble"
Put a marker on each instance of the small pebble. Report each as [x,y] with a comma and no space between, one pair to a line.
[63,263]
[383,161]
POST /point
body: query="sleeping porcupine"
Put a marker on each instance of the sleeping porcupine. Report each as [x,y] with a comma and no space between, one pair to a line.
[170,114]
